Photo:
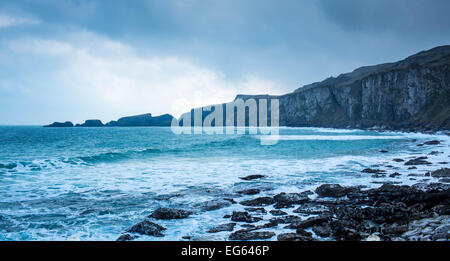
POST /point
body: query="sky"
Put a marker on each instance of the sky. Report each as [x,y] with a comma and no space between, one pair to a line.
[103,59]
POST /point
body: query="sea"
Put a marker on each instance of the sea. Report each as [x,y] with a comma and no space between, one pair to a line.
[95,183]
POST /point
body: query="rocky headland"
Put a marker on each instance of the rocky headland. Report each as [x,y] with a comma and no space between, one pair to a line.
[410,95]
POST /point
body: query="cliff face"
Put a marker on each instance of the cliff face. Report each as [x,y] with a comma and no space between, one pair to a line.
[413,94]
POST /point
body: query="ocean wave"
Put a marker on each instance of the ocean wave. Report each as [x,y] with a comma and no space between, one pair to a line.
[328,137]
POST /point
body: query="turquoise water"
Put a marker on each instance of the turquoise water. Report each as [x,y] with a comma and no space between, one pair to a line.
[94,183]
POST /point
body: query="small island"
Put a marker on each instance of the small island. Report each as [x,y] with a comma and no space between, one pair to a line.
[142,120]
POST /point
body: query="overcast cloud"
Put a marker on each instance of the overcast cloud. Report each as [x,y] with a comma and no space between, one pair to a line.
[74,60]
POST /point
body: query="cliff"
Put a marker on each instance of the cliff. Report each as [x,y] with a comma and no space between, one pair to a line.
[412,94]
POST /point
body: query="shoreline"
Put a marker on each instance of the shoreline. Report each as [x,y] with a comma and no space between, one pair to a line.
[392,211]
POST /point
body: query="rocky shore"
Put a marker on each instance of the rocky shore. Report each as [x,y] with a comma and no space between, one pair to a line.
[390,212]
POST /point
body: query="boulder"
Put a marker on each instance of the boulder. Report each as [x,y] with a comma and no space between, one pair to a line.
[170,213]
[288,199]
[373,171]
[126,237]
[293,237]
[249,235]
[309,222]
[252,177]
[418,161]
[441,173]
[432,142]
[223,227]
[261,201]
[333,190]
[323,230]
[256,210]
[249,192]
[242,216]
[278,213]
[147,228]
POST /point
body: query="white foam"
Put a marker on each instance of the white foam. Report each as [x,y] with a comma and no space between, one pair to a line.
[328,137]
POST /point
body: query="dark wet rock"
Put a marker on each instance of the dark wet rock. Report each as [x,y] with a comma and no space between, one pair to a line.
[303,232]
[241,216]
[312,221]
[227,216]
[249,192]
[261,201]
[312,209]
[323,230]
[434,152]
[286,219]
[432,142]
[344,231]
[432,187]
[395,174]
[186,237]
[445,180]
[333,190]
[223,227]
[232,201]
[249,226]
[256,210]
[278,213]
[250,235]
[126,237]
[443,162]
[415,175]
[386,210]
[307,193]
[420,145]
[373,171]
[60,124]
[147,228]
[293,237]
[268,225]
[170,213]
[378,176]
[252,177]
[442,232]
[395,229]
[214,205]
[441,173]
[418,161]
[384,151]
[412,168]
[286,200]
[398,160]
